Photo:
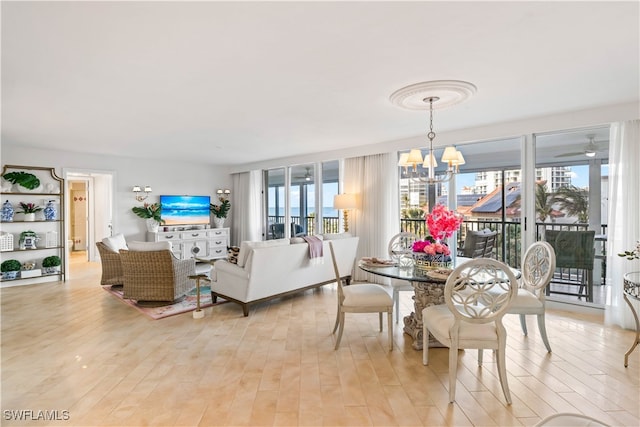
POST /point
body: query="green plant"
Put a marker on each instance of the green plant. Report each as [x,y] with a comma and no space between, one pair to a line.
[149,211]
[10,265]
[30,208]
[632,254]
[221,210]
[51,261]
[25,179]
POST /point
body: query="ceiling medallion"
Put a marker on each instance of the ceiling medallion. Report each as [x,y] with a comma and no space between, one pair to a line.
[431,95]
[448,92]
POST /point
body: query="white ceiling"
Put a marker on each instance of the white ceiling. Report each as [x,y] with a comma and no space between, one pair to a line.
[239,82]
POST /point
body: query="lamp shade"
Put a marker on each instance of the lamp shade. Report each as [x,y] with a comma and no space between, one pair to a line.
[434,163]
[450,155]
[460,160]
[345,201]
[404,160]
[415,157]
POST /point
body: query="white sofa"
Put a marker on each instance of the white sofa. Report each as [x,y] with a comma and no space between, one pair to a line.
[275,268]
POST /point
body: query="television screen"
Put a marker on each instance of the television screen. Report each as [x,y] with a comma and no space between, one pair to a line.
[185,210]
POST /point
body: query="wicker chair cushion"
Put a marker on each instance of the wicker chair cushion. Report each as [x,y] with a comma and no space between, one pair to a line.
[115,243]
[149,246]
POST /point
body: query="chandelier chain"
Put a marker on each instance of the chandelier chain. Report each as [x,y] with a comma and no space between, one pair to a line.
[431,135]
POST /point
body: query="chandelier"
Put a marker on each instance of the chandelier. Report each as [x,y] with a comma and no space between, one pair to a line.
[419,96]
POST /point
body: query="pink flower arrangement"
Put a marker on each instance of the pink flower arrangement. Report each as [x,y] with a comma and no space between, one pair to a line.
[442,223]
[431,248]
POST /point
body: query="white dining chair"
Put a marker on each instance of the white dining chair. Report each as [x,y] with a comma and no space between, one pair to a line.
[361,298]
[399,249]
[538,267]
[477,295]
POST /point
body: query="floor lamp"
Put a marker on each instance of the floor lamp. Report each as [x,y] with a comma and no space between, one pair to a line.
[345,202]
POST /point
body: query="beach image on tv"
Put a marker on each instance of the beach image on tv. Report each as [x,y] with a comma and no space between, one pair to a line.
[185,210]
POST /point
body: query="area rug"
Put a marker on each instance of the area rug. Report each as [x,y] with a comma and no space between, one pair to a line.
[186,304]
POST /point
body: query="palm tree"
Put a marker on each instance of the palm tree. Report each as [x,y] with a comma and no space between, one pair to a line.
[544,201]
[574,201]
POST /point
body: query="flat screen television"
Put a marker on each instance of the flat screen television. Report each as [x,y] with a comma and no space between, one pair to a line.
[185,210]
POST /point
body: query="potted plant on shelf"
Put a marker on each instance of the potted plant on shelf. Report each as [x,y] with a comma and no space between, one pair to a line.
[220,211]
[152,213]
[24,179]
[29,210]
[51,264]
[10,269]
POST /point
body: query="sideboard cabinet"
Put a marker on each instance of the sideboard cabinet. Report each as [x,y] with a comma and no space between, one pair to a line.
[30,239]
[210,243]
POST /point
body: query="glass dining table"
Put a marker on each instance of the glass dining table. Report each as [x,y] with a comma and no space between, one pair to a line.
[428,290]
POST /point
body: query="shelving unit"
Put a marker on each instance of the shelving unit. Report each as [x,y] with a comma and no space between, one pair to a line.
[50,233]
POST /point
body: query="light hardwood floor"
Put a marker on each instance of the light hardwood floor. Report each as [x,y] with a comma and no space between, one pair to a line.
[73,347]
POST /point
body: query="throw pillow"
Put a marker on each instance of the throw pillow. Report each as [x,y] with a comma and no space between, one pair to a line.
[232,254]
[115,243]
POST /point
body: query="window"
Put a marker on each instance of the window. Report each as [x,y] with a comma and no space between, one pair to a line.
[306,207]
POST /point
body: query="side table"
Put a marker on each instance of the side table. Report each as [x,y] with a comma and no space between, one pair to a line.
[632,290]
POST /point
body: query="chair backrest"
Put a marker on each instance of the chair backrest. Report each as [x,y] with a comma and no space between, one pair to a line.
[538,266]
[337,272]
[400,246]
[479,244]
[574,249]
[297,230]
[277,231]
[480,291]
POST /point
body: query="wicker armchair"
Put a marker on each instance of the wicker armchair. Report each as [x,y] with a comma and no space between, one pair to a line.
[111,266]
[156,275]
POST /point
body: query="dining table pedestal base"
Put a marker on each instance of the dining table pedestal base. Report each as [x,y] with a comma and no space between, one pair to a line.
[425,295]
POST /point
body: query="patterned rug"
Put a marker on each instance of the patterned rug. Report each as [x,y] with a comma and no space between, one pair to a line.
[186,304]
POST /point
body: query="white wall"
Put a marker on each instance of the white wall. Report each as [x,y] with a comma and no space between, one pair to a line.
[164,177]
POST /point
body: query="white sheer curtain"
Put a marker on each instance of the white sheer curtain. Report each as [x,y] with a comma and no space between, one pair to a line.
[375,180]
[246,207]
[624,215]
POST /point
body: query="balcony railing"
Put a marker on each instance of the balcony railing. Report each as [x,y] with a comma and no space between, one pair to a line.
[506,249]
[509,241]
[330,224]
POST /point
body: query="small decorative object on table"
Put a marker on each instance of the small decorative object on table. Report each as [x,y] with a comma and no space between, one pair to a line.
[431,253]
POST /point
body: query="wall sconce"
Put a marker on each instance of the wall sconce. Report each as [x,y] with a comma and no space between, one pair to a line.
[223,194]
[345,202]
[137,190]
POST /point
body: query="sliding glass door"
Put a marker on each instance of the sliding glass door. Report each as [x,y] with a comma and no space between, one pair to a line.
[296,205]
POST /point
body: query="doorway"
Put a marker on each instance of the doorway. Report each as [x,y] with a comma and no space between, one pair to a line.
[88,208]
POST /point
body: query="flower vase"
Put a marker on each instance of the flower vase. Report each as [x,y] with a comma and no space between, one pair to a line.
[50,211]
[218,222]
[152,225]
[30,217]
[7,212]
[424,262]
